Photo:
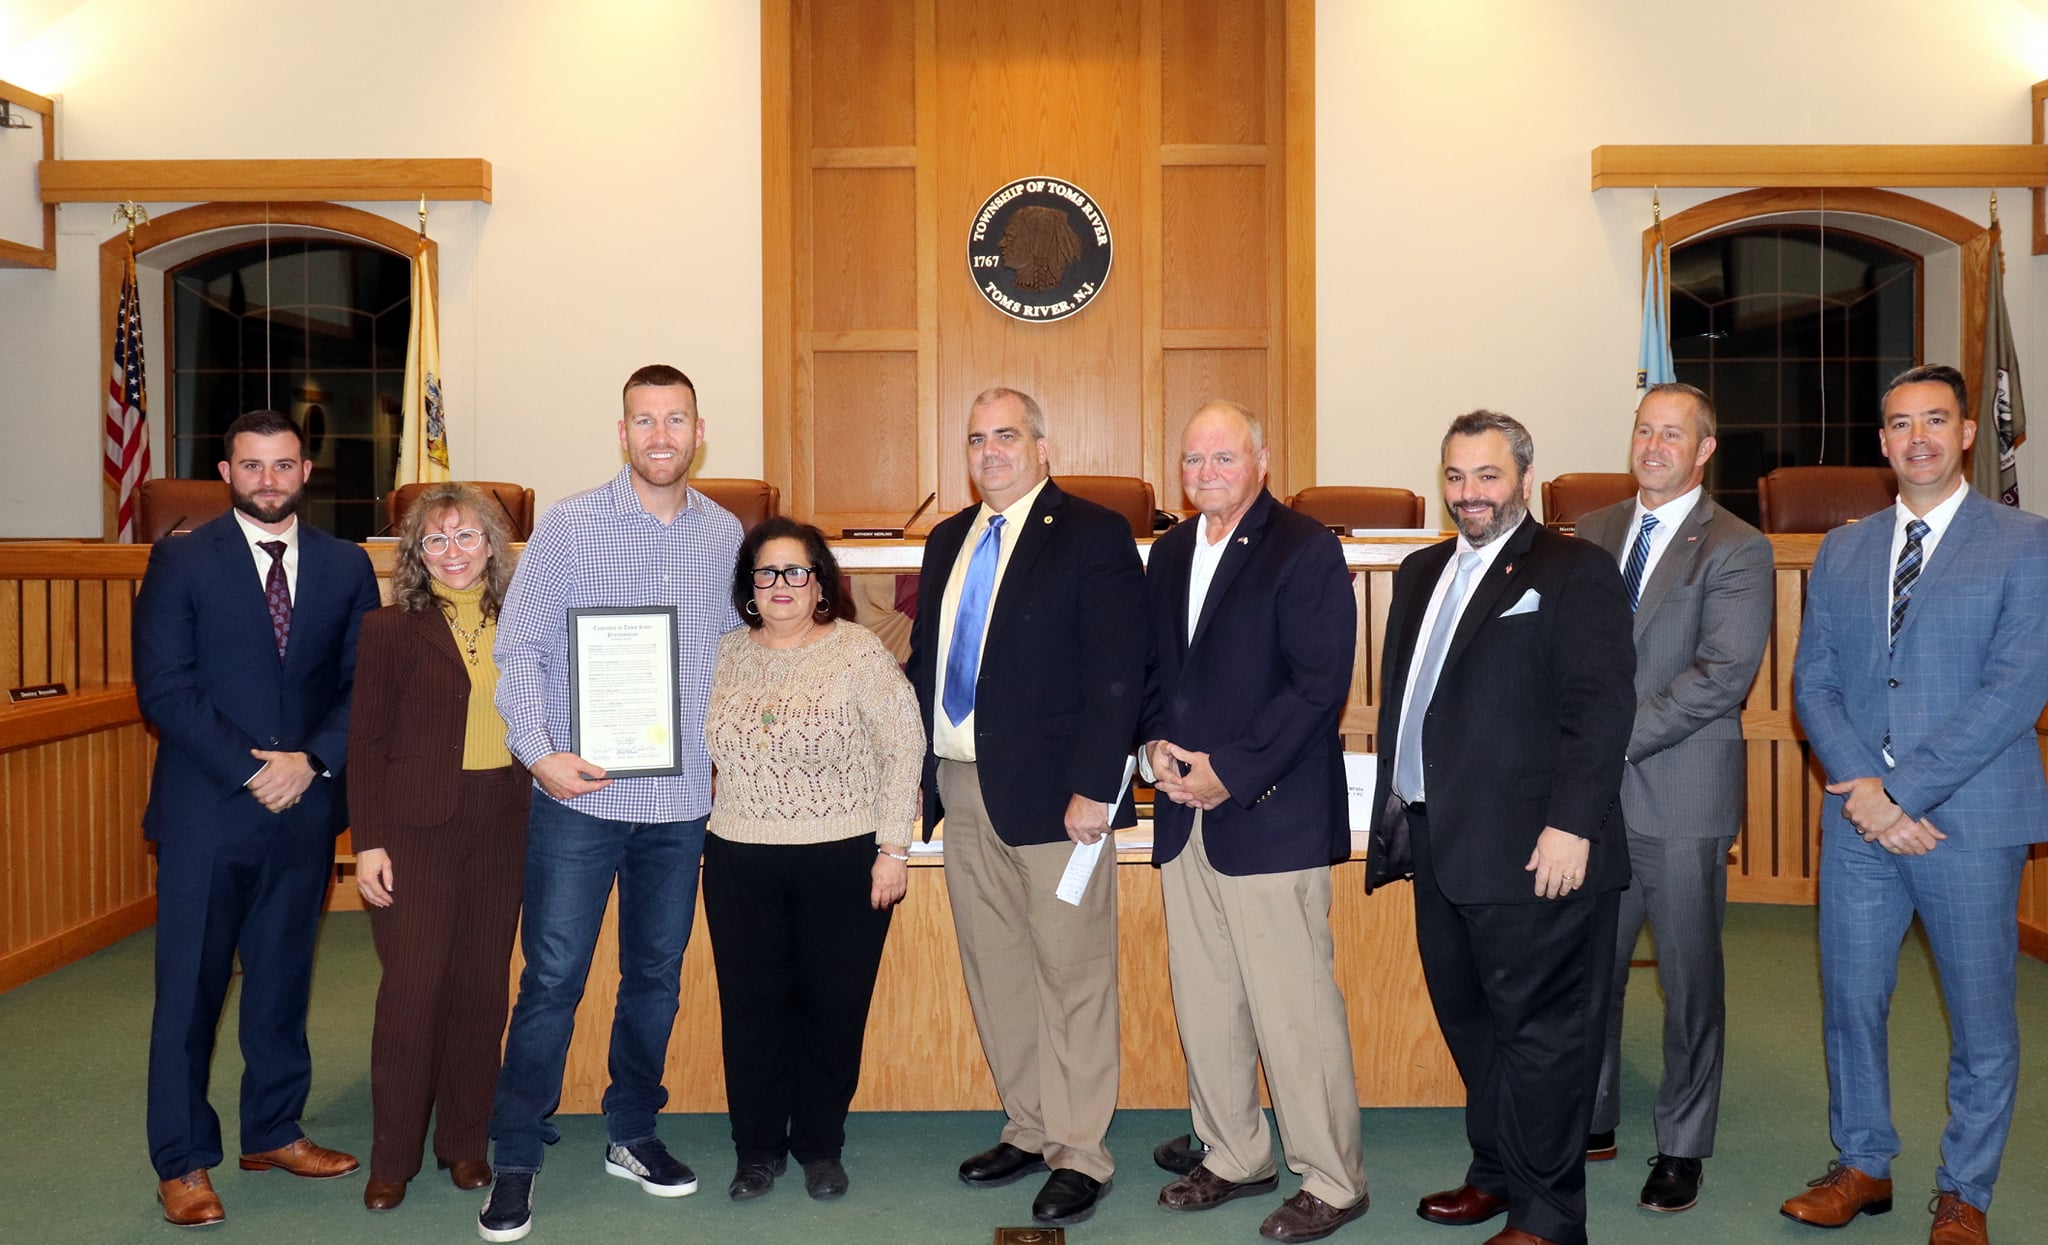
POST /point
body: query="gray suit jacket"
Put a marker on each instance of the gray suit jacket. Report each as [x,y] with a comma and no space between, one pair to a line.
[1700,632]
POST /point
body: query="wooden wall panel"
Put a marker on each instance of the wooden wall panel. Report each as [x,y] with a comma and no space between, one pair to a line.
[862,63]
[957,98]
[866,432]
[864,250]
[1215,245]
[1214,82]
[1194,377]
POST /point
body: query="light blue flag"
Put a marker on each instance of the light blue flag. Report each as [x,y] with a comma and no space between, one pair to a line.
[1653,357]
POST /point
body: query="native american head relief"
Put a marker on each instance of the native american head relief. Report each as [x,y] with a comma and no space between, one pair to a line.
[1039,244]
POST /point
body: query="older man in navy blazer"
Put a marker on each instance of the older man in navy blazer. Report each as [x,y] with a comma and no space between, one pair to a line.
[245,644]
[1923,665]
[1253,634]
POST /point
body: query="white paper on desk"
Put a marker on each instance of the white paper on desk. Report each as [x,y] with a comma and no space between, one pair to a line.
[1081,864]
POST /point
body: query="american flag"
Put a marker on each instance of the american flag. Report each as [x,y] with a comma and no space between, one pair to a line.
[127,463]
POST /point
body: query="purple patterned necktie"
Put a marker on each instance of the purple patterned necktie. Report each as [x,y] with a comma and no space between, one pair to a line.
[277,594]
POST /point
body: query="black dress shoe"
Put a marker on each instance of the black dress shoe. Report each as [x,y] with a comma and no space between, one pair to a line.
[1003,1164]
[824,1179]
[1600,1147]
[1068,1198]
[754,1178]
[1674,1184]
[1181,1155]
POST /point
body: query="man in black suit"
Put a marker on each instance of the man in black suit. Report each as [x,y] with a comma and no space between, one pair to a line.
[1508,696]
[1254,631]
[1028,656]
[245,653]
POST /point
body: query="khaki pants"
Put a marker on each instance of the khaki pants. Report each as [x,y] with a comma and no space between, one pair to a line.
[1253,974]
[1041,977]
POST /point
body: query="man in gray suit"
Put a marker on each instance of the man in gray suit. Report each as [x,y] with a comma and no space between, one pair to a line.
[1701,583]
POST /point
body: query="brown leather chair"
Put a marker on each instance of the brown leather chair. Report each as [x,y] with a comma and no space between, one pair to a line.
[1576,494]
[517,500]
[163,506]
[749,500]
[1820,499]
[1348,506]
[1129,496]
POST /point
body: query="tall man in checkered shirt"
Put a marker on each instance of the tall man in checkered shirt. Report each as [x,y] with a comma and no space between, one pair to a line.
[643,539]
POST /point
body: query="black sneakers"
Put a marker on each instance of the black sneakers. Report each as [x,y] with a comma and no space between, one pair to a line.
[508,1216]
[650,1163]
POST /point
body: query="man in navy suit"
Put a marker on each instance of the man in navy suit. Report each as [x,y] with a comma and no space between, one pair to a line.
[1508,694]
[244,655]
[1254,630]
[1028,656]
[1922,668]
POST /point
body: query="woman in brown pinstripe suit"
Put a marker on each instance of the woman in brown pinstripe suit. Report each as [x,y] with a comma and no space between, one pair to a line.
[438,810]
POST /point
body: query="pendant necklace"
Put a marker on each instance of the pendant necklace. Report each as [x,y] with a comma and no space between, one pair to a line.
[469,639]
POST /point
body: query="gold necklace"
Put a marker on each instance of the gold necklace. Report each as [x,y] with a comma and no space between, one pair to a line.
[470,639]
[768,718]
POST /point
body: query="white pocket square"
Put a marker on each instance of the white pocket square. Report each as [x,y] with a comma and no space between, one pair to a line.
[1531,601]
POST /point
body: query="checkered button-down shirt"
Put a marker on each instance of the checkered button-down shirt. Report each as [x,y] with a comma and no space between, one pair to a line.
[602,548]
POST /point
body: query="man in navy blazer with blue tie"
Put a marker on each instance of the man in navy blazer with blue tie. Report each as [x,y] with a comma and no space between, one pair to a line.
[244,654]
[1922,668]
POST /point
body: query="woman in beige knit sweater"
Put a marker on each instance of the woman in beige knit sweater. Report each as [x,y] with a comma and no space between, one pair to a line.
[818,745]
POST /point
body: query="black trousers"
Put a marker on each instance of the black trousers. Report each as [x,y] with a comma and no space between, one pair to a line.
[446,947]
[796,948]
[1521,992]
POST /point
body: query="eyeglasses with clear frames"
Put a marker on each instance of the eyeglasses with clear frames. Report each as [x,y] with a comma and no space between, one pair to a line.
[469,540]
[794,576]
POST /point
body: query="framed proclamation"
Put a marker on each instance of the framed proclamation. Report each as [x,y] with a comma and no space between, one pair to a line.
[625,712]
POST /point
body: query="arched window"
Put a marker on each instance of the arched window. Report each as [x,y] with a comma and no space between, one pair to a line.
[315,327]
[1794,329]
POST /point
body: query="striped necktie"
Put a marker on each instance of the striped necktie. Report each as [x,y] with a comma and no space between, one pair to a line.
[1907,572]
[1638,558]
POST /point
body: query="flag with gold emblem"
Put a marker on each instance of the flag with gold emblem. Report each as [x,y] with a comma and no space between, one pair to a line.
[423,450]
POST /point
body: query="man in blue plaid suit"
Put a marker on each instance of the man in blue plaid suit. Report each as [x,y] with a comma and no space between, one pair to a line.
[1923,665]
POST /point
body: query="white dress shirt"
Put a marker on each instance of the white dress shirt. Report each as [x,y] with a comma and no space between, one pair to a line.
[951,741]
[256,536]
[1488,553]
[1669,516]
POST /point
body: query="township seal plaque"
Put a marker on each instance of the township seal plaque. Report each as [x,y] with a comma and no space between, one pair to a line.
[1039,249]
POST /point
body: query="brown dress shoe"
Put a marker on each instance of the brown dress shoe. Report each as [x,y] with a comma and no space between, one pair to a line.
[1202,1189]
[1956,1222]
[189,1200]
[383,1194]
[1515,1236]
[468,1174]
[1838,1197]
[302,1158]
[1462,1206]
[1306,1217]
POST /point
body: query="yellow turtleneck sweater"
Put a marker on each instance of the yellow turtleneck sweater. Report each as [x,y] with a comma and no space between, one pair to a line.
[483,739]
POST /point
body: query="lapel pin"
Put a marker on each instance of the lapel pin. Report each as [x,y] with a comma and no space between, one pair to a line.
[1509,569]
[1244,540]
[1048,520]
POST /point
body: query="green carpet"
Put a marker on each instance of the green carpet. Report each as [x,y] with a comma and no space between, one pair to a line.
[72,1149]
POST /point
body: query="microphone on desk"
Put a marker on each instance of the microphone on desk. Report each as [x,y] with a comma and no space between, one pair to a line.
[888,533]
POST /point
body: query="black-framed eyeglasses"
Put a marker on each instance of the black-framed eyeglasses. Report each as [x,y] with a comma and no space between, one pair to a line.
[794,576]
[469,540]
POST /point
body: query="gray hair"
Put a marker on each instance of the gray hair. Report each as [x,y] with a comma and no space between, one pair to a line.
[1034,418]
[1702,405]
[1474,423]
[1243,412]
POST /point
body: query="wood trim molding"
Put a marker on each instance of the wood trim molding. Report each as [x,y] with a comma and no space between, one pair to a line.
[864,157]
[1298,320]
[1215,153]
[264,181]
[1813,165]
[41,722]
[2036,96]
[76,943]
[25,254]
[171,226]
[778,233]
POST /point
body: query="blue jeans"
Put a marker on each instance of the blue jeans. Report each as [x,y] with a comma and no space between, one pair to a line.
[571,861]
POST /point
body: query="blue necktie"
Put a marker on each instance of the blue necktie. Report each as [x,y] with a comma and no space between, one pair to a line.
[1907,571]
[1408,752]
[1638,558]
[963,661]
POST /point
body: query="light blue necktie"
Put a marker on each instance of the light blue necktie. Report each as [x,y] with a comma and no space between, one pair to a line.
[963,661]
[1638,558]
[1408,752]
